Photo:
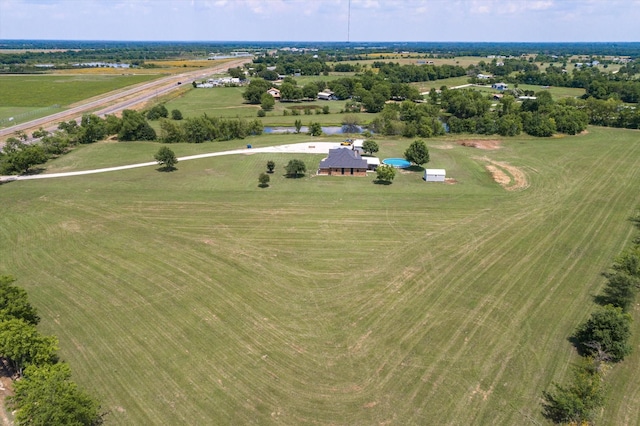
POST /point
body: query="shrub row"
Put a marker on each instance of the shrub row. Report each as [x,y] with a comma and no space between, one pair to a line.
[602,339]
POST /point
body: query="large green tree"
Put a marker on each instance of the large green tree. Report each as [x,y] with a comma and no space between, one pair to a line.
[166,158]
[295,168]
[267,102]
[23,345]
[134,127]
[14,302]
[370,146]
[254,91]
[47,396]
[157,112]
[315,129]
[577,402]
[170,131]
[607,330]
[92,129]
[417,153]
[385,173]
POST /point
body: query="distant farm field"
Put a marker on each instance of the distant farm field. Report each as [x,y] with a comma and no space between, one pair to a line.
[196,297]
[38,91]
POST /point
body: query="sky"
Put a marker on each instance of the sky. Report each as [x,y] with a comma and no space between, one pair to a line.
[322,20]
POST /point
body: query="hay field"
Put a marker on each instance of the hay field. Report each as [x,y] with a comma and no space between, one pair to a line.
[195,297]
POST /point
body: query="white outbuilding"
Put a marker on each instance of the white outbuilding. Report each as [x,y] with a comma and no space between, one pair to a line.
[434,175]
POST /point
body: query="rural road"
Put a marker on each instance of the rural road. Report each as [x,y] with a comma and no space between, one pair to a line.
[296,148]
[122,99]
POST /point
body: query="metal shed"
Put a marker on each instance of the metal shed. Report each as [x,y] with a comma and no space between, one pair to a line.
[434,175]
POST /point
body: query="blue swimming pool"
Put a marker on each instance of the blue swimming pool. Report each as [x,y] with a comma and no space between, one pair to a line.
[398,163]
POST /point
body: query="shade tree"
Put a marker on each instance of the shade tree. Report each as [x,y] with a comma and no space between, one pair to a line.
[609,330]
[46,395]
[295,168]
[14,303]
[385,173]
[417,153]
[166,158]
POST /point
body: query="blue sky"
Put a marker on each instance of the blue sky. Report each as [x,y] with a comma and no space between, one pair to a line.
[322,20]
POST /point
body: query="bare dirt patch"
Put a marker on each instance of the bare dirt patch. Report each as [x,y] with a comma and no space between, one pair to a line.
[6,389]
[509,177]
[443,146]
[498,175]
[481,144]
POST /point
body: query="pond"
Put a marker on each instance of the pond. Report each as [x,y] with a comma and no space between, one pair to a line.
[327,130]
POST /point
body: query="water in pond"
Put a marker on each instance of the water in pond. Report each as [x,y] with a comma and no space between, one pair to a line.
[327,130]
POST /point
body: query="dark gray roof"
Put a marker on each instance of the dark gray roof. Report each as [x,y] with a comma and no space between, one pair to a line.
[343,157]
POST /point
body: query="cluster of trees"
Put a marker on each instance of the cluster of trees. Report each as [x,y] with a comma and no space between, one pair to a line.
[43,390]
[205,128]
[409,119]
[623,85]
[132,126]
[19,157]
[602,338]
[368,91]
[469,111]
[288,64]
[160,111]
[397,73]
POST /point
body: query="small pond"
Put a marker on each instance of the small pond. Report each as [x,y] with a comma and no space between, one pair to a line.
[327,130]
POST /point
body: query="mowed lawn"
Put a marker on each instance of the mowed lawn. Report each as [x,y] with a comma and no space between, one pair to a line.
[195,297]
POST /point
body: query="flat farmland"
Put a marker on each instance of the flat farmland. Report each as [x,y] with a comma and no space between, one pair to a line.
[195,297]
[39,91]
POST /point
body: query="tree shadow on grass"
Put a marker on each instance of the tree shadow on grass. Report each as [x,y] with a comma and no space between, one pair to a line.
[382,182]
[263,185]
[33,171]
[298,176]
[414,168]
[166,169]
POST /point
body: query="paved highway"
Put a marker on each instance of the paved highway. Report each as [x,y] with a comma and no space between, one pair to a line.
[114,102]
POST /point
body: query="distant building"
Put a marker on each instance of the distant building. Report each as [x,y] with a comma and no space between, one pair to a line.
[500,86]
[274,92]
[327,95]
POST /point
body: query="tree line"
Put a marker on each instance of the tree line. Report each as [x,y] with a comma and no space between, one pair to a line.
[44,393]
[18,156]
[601,340]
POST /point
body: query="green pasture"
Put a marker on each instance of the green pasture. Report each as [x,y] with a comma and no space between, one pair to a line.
[228,102]
[10,116]
[196,297]
[556,91]
[38,91]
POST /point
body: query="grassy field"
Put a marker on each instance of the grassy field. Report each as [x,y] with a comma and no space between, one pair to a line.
[556,91]
[162,68]
[228,102]
[195,297]
[37,91]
